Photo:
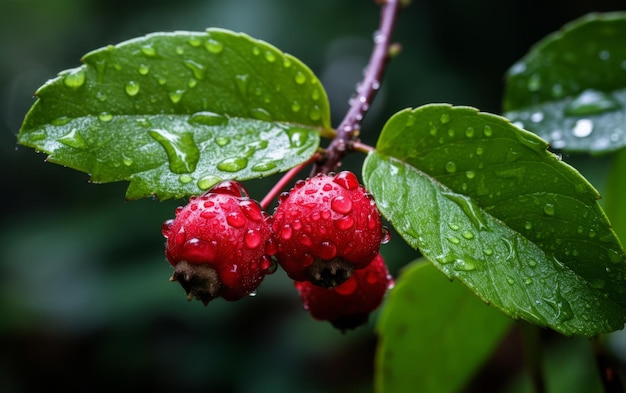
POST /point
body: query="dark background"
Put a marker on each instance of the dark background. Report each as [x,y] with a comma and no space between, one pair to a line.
[85,300]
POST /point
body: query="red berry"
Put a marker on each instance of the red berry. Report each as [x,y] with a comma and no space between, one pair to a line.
[218,244]
[348,305]
[325,227]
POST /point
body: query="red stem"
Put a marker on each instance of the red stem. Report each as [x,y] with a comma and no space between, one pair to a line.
[284,180]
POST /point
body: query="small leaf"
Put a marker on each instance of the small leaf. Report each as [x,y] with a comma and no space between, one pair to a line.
[570,89]
[175,112]
[489,205]
[427,320]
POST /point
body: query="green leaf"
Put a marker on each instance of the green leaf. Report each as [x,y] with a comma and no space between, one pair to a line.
[175,112]
[485,202]
[427,320]
[615,192]
[570,88]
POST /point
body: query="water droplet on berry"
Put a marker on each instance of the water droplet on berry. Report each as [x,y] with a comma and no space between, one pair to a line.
[199,250]
[230,187]
[306,241]
[286,232]
[327,187]
[236,219]
[347,180]
[341,204]
[251,209]
[386,235]
[373,221]
[347,287]
[166,227]
[252,239]
[344,223]
[327,250]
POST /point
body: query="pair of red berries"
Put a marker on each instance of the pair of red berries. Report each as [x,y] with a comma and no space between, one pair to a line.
[325,233]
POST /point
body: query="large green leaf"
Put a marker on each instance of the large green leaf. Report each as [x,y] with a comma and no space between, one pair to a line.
[434,336]
[570,88]
[175,112]
[489,205]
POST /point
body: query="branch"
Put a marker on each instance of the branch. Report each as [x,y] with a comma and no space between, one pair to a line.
[350,126]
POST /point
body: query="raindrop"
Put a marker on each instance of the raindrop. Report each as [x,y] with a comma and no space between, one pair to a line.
[197,69]
[315,95]
[344,223]
[327,250]
[528,225]
[479,151]
[132,88]
[252,239]
[488,251]
[444,118]
[143,69]
[468,235]
[468,207]
[236,219]
[347,180]
[73,139]
[176,96]
[295,106]
[181,150]
[233,164]
[464,265]
[297,137]
[148,50]
[342,205]
[510,281]
[470,174]
[185,178]
[208,119]
[74,78]
[222,140]
[261,114]
[591,102]
[450,167]
[347,287]
[454,240]
[214,46]
[270,56]
[300,78]
[195,41]
[532,263]
[487,130]
[583,128]
[208,181]
[469,132]
[264,166]
[105,117]
[534,82]
[548,208]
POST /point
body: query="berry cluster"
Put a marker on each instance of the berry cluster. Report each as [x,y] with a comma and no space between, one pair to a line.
[325,233]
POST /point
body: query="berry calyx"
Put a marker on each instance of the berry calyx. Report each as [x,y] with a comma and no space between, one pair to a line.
[348,305]
[219,244]
[325,227]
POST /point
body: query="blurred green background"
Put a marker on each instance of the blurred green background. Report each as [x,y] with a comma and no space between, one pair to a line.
[84,294]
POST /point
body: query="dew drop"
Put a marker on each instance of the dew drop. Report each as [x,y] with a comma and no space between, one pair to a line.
[315,95]
[127,161]
[181,150]
[263,166]
[208,119]
[214,46]
[534,82]
[297,137]
[286,232]
[208,181]
[454,240]
[469,132]
[295,107]
[347,180]
[468,235]
[348,287]
[233,164]
[548,208]
[315,113]
[450,167]
[195,42]
[73,139]
[132,88]
[470,174]
[444,118]
[148,50]
[583,128]
[488,251]
[300,78]
[261,114]
[591,102]
[197,69]
[487,130]
[252,239]
[344,223]
[176,96]
[143,69]
[464,265]
[386,236]
[105,117]
[342,205]
[327,250]
[74,78]
[270,56]
[236,219]
[528,225]
[510,281]
[185,179]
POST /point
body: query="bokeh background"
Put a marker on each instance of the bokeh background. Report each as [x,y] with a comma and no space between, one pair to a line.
[85,302]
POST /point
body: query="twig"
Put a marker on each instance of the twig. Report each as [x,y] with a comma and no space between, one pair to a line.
[350,126]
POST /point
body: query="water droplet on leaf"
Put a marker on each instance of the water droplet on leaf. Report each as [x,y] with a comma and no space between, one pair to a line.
[132,88]
[214,46]
[74,78]
[233,164]
[73,139]
[208,181]
[583,128]
[181,149]
[591,102]
[197,69]
[208,119]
